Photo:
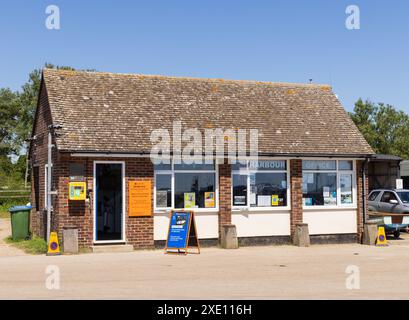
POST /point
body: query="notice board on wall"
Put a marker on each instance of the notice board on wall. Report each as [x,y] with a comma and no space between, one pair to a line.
[140,198]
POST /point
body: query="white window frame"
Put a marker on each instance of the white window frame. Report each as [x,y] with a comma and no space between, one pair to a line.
[338,172]
[249,171]
[172,173]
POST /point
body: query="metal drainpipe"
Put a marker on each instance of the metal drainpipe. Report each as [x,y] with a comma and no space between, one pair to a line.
[49,182]
[364,165]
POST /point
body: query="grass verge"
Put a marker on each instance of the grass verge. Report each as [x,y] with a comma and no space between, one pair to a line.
[5,206]
[35,245]
[4,214]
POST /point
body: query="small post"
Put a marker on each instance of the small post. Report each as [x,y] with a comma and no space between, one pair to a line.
[70,240]
[370,233]
[302,235]
[229,237]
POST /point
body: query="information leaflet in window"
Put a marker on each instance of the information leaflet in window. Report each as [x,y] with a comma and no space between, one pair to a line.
[161,199]
[209,199]
[239,200]
[190,200]
[275,200]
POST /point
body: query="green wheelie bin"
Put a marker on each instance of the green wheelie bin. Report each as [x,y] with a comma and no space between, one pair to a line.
[20,222]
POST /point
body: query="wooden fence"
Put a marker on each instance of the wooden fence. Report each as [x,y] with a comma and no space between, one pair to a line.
[14,194]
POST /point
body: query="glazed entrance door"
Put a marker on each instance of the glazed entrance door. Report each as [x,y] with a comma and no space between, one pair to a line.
[109,202]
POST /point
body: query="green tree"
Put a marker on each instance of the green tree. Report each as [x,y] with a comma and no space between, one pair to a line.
[9,115]
[17,110]
[385,128]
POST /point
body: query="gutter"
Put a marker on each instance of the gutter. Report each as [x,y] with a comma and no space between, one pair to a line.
[93,153]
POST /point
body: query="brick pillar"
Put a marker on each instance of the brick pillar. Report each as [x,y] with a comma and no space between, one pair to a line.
[139,230]
[296,194]
[359,183]
[224,195]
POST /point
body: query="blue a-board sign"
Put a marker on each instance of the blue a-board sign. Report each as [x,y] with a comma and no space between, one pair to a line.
[178,230]
[182,231]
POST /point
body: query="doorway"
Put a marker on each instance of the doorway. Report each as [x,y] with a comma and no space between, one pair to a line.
[109,201]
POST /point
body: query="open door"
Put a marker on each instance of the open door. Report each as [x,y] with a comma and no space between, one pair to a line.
[109,202]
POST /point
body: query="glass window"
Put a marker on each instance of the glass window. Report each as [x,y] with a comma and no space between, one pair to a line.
[77,172]
[328,182]
[194,186]
[322,165]
[319,189]
[374,195]
[239,166]
[346,165]
[346,188]
[268,189]
[162,167]
[195,190]
[163,191]
[194,167]
[404,196]
[239,190]
[388,196]
[267,181]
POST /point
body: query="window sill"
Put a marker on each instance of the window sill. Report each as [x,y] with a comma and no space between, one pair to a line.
[261,209]
[312,208]
[203,210]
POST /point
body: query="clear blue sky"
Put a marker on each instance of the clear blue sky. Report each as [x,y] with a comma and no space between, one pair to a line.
[288,41]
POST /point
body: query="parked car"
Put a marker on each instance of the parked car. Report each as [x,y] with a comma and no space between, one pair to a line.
[391,201]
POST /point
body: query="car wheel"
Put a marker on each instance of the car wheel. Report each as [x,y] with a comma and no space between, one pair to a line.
[396,234]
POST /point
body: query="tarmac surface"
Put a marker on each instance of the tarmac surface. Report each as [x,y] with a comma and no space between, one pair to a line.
[286,272]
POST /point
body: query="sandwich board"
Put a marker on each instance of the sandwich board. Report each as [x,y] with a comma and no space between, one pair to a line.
[182,233]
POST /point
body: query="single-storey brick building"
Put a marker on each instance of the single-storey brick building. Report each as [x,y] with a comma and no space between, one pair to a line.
[310,166]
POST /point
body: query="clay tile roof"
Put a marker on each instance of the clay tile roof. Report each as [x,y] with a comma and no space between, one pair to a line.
[105,112]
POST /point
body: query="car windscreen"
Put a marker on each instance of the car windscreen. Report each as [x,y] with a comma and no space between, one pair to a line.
[404,196]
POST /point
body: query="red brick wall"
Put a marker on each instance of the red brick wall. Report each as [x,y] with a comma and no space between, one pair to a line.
[138,230]
[38,158]
[74,214]
[296,215]
[360,198]
[224,195]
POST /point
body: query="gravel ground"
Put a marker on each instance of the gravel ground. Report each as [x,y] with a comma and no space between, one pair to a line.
[7,250]
[286,272]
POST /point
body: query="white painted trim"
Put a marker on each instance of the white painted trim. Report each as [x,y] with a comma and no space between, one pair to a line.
[109,242]
[123,240]
[217,158]
[108,155]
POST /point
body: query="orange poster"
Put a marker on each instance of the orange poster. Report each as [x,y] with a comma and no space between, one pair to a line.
[140,198]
